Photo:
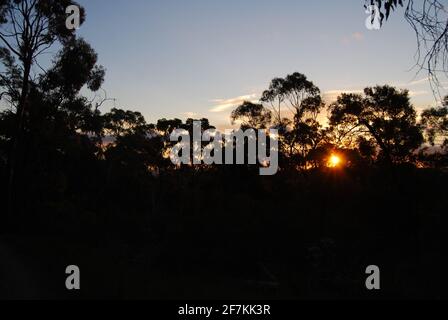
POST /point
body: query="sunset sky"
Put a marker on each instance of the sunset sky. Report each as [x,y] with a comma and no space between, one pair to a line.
[200,58]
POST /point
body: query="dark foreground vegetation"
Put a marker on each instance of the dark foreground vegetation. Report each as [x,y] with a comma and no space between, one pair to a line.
[228,233]
[97,189]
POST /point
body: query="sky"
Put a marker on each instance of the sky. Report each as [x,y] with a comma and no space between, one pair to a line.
[201,58]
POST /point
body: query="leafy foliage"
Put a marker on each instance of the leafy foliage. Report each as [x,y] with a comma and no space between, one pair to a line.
[252,115]
[384,116]
[386,7]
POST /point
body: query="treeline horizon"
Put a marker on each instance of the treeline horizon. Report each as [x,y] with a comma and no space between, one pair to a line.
[52,134]
[123,211]
[380,127]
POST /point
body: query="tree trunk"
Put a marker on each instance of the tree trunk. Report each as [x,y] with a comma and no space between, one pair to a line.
[15,148]
[380,142]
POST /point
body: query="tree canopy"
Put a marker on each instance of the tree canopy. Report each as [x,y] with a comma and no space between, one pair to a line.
[383,116]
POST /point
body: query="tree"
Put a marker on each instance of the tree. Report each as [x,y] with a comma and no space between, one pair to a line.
[74,67]
[301,98]
[136,144]
[165,127]
[305,137]
[295,93]
[28,28]
[118,123]
[384,117]
[435,124]
[252,116]
[205,125]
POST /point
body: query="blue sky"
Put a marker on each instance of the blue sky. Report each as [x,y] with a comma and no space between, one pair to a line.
[181,58]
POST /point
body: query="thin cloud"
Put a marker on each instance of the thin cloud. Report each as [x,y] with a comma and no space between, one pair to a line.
[418,82]
[413,83]
[190,114]
[225,104]
[358,36]
[418,93]
[355,37]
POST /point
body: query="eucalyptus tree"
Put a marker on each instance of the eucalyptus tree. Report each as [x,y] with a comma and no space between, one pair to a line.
[29,29]
[384,118]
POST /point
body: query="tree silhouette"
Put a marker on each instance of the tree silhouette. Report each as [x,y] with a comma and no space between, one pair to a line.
[99,188]
[167,126]
[384,116]
[302,99]
[118,123]
[435,124]
[251,116]
[295,93]
[28,28]
[135,148]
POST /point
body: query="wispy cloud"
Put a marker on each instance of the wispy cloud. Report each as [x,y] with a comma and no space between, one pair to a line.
[413,83]
[418,82]
[190,114]
[222,105]
[418,93]
[354,37]
[358,36]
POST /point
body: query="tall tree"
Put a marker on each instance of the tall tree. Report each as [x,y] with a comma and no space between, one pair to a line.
[28,28]
[301,98]
[295,93]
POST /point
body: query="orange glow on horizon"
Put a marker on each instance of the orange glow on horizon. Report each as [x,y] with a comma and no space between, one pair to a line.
[334,161]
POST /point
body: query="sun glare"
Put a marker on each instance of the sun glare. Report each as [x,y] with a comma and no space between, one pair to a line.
[334,161]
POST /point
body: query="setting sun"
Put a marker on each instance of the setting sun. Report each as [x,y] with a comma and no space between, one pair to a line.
[334,161]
